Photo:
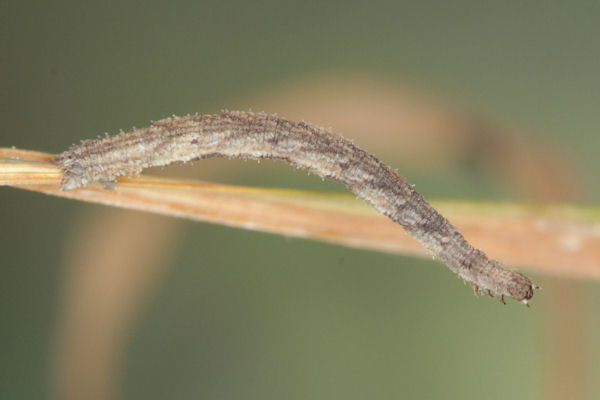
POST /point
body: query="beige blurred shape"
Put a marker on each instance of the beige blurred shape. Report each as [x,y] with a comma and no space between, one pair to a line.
[115,258]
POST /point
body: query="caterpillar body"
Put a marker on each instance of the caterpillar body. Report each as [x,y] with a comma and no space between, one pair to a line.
[303,145]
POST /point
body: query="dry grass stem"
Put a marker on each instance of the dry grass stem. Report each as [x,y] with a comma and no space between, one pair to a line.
[555,239]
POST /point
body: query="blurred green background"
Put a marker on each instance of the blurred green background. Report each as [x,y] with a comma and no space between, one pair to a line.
[241,314]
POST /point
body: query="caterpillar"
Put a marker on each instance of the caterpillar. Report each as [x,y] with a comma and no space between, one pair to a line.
[303,145]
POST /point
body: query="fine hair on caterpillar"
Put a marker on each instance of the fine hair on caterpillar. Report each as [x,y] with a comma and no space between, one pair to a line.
[303,145]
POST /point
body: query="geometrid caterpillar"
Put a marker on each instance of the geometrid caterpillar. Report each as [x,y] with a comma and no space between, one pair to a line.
[329,155]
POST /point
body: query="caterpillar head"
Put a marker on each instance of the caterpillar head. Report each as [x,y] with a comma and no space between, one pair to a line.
[520,287]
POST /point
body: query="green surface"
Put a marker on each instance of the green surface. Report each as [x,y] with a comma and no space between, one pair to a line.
[255,316]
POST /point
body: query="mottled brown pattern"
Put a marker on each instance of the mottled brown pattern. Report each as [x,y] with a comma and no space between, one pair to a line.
[329,155]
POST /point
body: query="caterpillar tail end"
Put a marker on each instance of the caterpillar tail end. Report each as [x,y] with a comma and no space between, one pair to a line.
[71,171]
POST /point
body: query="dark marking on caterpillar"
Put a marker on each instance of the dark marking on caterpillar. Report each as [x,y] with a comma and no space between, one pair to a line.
[329,155]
